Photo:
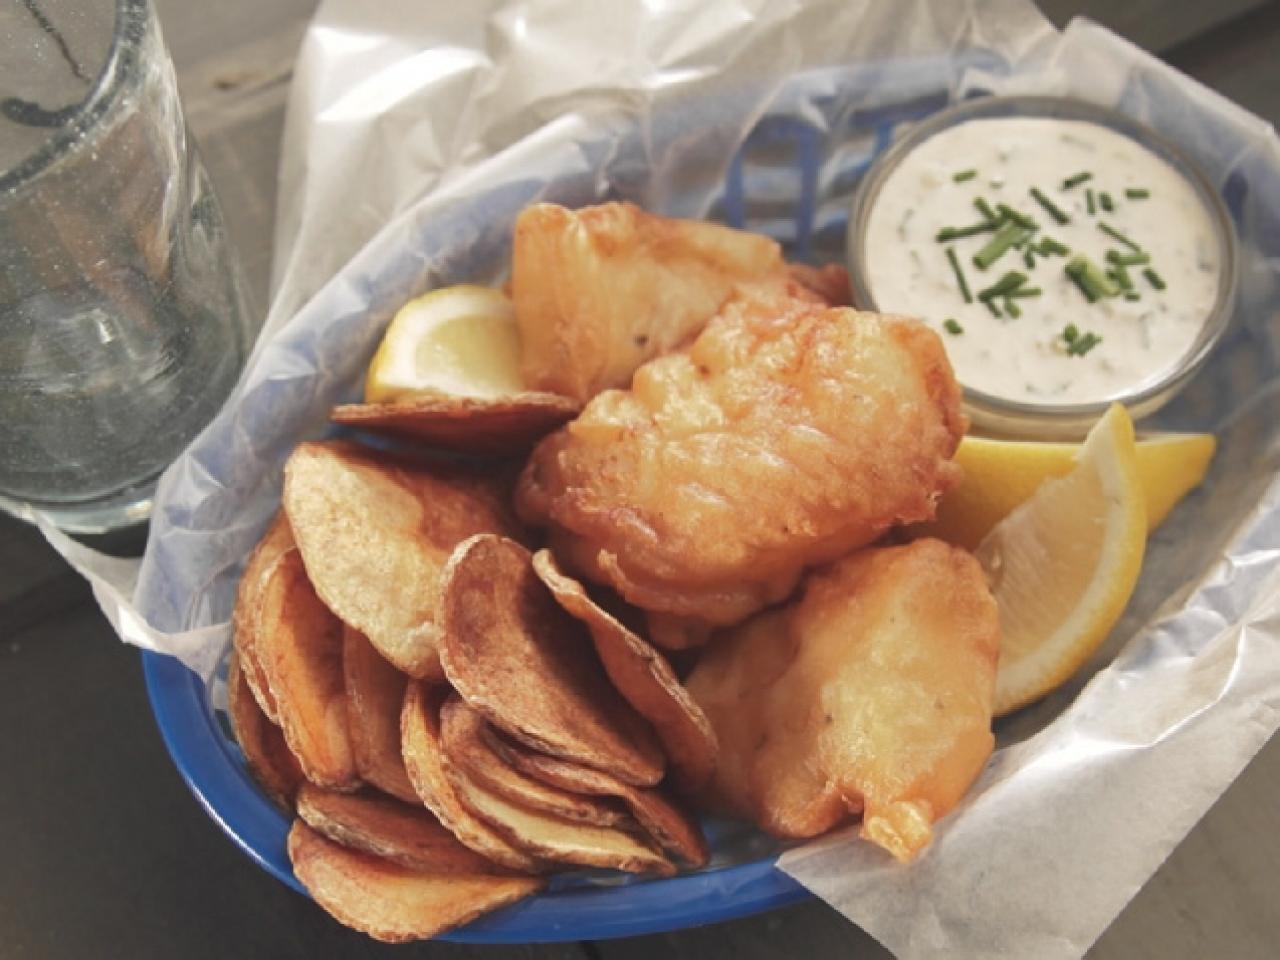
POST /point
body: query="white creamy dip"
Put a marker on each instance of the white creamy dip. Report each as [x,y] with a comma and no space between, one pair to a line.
[1061,348]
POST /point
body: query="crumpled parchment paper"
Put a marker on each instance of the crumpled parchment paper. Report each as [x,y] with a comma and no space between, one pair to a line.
[414,136]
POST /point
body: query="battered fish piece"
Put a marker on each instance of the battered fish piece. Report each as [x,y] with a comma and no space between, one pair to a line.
[599,291]
[872,692]
[787,435]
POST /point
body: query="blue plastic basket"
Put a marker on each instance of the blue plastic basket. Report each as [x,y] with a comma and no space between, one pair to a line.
[790,179]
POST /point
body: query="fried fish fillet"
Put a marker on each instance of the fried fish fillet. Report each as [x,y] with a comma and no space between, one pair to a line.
[599,291]
[785,436]
[872,692]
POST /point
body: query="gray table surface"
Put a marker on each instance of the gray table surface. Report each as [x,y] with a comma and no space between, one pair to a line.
[103,852]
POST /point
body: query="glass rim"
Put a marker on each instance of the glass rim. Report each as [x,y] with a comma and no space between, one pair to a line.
[121,63]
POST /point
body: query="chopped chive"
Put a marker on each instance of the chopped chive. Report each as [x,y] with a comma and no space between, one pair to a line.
[1009,282]
[1076,180]
[1015,216]
[1051,208]
[1128,259]
[1132,295]
[959,272]
[1088,199]
[1137,193]
[1049,245]
[1154,278]
[964,175]
[952,326]
[1012,308]
[1070,332]
[1115,234]
[984,208]
[1025,292]
[999,245]
[1029,258]
[1104,198]
[1120,273]
[957,233]
[1082,344]
[1090,278]
[991,305]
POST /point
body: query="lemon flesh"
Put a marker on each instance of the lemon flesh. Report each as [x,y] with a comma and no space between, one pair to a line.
[1000,474]
[460,340]
[1064,563]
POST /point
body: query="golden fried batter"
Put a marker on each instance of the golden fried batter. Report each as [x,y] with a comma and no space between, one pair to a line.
[785,436]
[871,692]
[599,291]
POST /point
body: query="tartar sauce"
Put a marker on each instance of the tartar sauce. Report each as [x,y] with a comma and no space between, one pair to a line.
[1096,266]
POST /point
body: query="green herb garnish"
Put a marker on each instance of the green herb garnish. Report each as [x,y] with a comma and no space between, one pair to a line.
[1115,234]
[1050,207]
[1137,193]
[1120,274]
[1104,198]
[1088,200]
[958,233]
[999,245]
[991,305]
[1022,292]
[1012,308]
[1015,216]
[1076,180]
[984,208]
[1048,245]
[952,326]
[1090,278]
[959,272]
[1029,258]
[1154,278]
[964,175]
[1007,284]
[1078,344]
[1132,295]
[1128,259]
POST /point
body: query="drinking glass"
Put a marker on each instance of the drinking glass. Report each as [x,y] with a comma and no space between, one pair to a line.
[123,323]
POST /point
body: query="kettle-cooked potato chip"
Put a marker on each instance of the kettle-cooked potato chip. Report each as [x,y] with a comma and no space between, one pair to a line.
[496,426]
[299,645]
[390,902]
[643,676]
[375,695]
[408,835]
[244,621]
[465,747]
[670,827]
[423,760]
[375,530]
[530,668]
[265,752]
[552,838]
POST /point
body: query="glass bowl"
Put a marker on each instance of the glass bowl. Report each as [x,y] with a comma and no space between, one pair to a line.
[1000,416]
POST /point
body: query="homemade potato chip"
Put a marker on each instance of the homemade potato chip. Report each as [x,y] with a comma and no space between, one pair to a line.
[244,620]
[299,644]
[497,426]
[375,695]
[563,841]
[265,752]
[669,826]
[643,676]
[391,902]
[530,668]
[872,691]
[375,530]
[464,746]
[404,834]
[423,760]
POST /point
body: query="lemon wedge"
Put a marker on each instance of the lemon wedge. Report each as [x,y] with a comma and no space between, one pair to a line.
[1000,474]
[1063,564]
[459,340]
